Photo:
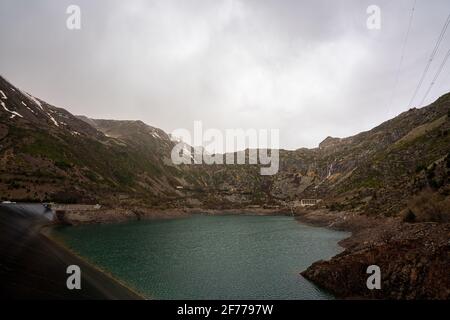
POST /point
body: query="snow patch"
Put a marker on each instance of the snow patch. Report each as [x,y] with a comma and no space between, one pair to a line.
[36,101]
[53,120]
[76,133]
[14,113]
[24,103]
[156,135]
[187,153]
[4,97]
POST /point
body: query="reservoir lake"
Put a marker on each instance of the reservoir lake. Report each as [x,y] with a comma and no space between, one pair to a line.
[208,257]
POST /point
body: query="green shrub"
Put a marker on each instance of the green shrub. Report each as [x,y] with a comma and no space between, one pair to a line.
[429,206]
[409,216]
[63,165]
[14,185]
[90,175]
[123,177]
[420,168]
[336,206]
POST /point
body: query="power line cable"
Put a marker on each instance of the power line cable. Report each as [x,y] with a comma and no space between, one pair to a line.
[436,76]
[445,84]
[436,47]
[405,41]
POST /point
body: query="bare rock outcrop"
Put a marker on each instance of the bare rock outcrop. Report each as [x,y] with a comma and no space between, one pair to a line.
[414,260]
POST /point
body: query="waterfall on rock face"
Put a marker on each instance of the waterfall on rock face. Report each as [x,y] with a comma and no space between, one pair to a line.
[330,169]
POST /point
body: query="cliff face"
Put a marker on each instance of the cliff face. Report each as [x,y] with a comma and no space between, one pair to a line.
[413,259]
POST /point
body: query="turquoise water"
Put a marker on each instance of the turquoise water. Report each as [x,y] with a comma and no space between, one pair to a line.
[209,257]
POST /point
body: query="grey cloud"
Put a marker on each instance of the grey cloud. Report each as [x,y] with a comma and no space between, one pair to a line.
[309,68]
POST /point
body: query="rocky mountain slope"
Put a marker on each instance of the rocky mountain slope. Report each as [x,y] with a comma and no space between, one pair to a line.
[49,154]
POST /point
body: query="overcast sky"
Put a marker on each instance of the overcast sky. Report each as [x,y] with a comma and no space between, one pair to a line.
[311,69]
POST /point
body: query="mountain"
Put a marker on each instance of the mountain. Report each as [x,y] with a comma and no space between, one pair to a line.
[49,154]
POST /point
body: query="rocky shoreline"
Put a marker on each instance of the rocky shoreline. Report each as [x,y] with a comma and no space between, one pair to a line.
[117,215]
[414,258]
